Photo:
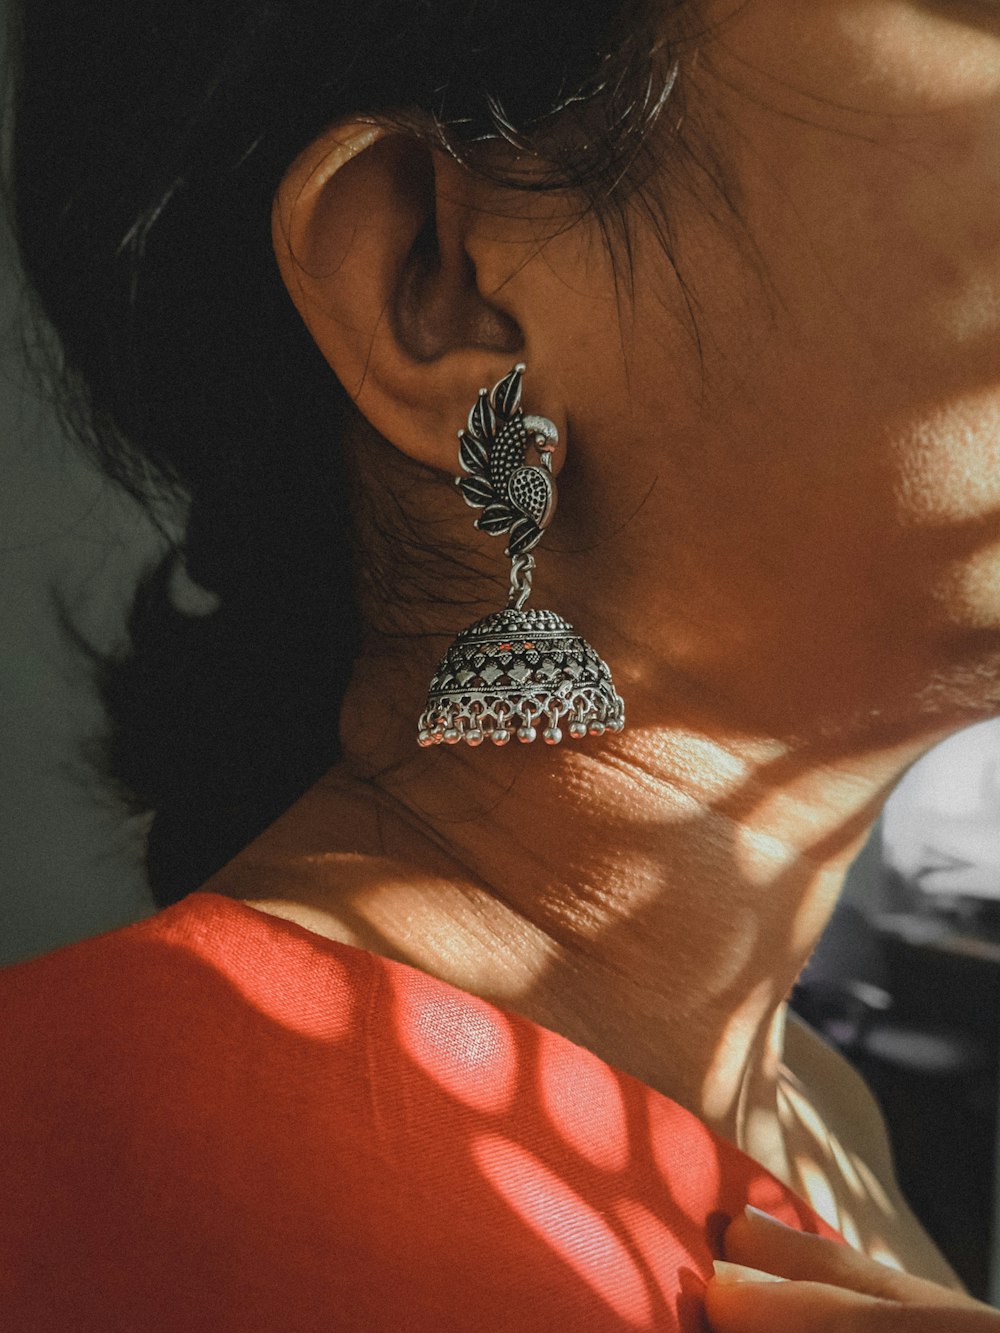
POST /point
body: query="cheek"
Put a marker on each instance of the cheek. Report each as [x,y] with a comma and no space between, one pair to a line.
[877,57]
[948,469]
[862,142]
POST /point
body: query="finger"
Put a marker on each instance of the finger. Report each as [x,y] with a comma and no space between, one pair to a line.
[757,1306]
[741,1300]
[759,1241]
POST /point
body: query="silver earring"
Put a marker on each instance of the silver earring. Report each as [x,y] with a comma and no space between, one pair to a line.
[519,670]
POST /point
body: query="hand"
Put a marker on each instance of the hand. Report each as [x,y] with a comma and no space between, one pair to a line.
[828,1288]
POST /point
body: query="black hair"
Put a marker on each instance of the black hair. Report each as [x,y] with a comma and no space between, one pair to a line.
[149,138]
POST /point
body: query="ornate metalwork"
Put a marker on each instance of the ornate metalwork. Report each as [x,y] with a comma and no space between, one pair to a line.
[519,670]
[515,673]
[515,496]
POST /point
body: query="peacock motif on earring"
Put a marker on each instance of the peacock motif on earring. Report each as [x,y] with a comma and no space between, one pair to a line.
[514,496]
[519,670]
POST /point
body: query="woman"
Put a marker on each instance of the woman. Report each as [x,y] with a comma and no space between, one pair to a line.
[494,1036]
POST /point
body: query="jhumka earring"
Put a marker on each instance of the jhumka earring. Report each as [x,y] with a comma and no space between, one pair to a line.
[520,669]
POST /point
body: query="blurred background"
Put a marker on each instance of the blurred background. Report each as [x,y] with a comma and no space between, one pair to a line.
[906,981]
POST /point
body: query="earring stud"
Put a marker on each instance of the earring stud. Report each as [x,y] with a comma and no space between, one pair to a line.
[519,671]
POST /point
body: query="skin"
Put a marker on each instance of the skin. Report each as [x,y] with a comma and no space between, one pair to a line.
[778,521]
[775,1277]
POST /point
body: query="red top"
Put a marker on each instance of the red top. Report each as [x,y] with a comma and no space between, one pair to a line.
[217,1120]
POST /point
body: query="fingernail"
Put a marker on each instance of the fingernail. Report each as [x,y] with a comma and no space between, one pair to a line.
[730,1275]
[758,1215]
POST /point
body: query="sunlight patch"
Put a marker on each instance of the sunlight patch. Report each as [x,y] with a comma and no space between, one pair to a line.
[461,1042]
[573,1228]
[584,1102]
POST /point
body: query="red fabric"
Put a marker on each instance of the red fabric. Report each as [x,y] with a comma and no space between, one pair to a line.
[216,1120]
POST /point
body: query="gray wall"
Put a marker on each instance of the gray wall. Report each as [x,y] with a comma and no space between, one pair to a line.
[69,859]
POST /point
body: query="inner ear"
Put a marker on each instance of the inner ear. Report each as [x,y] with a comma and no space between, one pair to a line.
[438,304]
[378,237]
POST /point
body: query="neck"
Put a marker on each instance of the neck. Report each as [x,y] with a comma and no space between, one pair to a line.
[651,896]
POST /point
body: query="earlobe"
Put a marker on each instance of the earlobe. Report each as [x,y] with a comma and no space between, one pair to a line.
[370,229]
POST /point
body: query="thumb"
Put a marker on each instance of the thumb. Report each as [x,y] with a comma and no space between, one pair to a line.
[745,1300]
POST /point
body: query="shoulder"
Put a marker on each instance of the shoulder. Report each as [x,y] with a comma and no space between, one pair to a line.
[204,994]
[223,1094]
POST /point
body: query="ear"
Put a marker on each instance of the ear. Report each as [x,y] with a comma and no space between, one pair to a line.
[380,239]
